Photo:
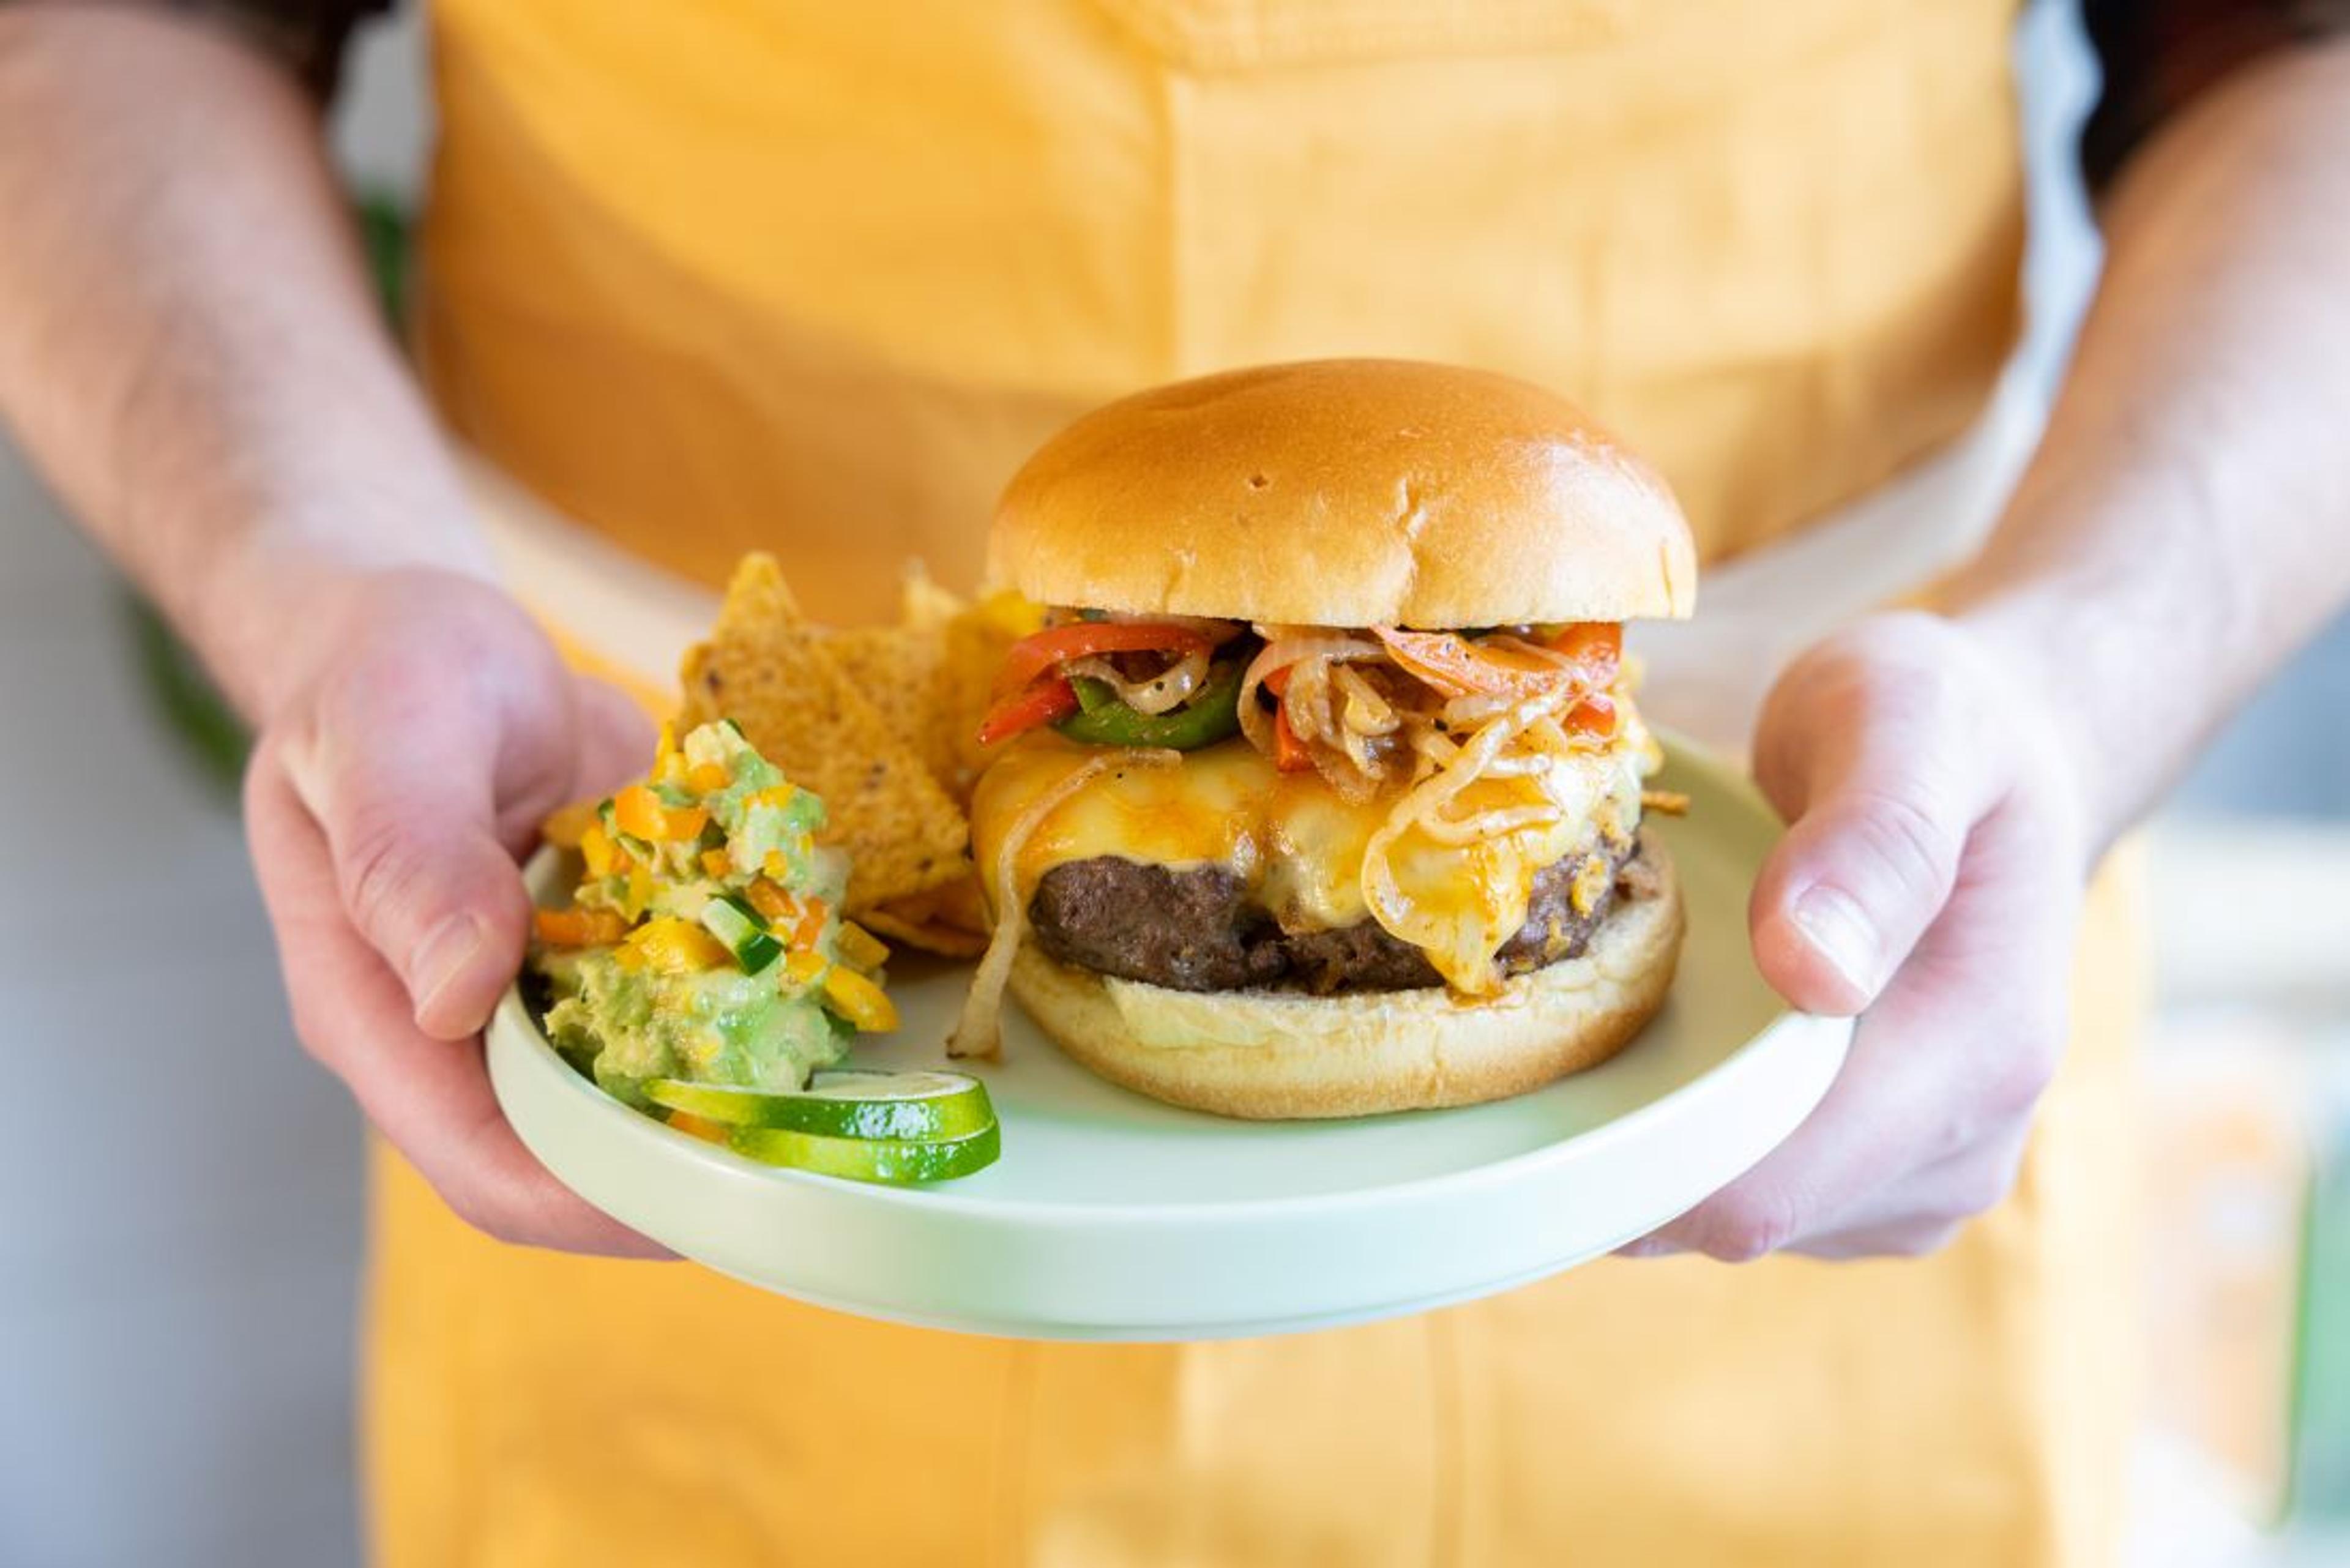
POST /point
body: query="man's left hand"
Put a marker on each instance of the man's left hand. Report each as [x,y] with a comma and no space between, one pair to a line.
[1929,883]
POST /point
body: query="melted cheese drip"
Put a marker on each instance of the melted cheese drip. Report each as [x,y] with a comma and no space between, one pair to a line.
[1293,841]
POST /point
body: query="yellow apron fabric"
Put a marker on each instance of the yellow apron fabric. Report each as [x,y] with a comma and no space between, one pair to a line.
[776,272]
[813,278]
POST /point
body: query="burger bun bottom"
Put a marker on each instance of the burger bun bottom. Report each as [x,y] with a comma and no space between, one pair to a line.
[1277,1055]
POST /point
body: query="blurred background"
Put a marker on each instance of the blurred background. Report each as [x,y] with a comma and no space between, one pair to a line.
[182,1202]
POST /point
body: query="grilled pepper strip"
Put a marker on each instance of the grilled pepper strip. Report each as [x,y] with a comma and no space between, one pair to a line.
[1041,701]
[1211,714]
[1055,646]
[1455,666]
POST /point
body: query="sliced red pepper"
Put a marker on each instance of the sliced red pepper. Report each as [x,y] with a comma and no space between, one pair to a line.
[1594,715]
[1289,753]
[1456,666]
[1033,655]
[1043,701]
[1596,645]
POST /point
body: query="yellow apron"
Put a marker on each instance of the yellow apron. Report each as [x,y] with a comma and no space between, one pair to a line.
[814,278]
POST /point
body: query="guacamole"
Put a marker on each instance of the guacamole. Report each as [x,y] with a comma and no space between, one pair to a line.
[704,939]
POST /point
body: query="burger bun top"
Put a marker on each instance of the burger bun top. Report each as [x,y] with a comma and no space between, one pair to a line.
[1346,493]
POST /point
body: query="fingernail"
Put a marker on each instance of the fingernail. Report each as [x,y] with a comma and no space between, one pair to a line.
[1837,930]
[441,957]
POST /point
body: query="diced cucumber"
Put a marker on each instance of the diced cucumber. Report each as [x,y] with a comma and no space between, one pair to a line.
[730,918]
[757,952]
[912,1106]
[895,1160]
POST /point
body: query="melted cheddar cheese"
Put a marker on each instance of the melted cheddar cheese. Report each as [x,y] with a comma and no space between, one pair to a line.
[1293,842]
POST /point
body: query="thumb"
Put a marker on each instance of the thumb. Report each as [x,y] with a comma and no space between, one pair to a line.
[1881,789]
[616,737]
[411,826]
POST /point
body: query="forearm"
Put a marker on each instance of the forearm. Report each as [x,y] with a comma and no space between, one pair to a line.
[2187,522]
[188,345]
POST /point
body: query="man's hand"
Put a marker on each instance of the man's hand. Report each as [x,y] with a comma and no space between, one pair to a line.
[428,726]
[1929,882]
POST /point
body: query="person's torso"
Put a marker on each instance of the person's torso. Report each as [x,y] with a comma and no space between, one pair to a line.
[816,277]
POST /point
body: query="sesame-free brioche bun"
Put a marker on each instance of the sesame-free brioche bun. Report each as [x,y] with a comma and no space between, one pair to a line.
[1346,493]
[1270,1054]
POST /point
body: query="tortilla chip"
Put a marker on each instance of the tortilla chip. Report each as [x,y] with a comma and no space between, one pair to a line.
[931,937]
[948,919]
[897,668]
[933,677]
[975,639]
[765,668]
[928,608]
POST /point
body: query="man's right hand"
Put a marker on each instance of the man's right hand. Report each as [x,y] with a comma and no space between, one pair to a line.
[426,727]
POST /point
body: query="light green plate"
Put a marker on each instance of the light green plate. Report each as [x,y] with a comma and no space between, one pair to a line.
[1114,1217]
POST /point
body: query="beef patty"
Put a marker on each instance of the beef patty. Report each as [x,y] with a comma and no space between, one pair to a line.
[1198,930]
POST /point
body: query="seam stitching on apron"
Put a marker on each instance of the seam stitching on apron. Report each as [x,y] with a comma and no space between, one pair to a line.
[1445,1432]
[1010,1545]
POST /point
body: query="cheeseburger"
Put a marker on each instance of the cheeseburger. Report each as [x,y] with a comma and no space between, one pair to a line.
[1319,793]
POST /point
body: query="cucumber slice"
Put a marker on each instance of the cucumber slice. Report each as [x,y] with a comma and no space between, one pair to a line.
[730,918]
[922,1108]
[895,1160]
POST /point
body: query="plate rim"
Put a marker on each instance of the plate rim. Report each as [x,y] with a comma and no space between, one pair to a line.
[937,1196]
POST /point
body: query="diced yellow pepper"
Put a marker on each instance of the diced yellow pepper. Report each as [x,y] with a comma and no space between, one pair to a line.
[577,927]
[859,1001]
[860,949]
[640,891]
[669,946]
[714,863]
[596,848]
[707,778]
[773,902]
[566,827]
[669,763]
[637,812]
[800,968]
